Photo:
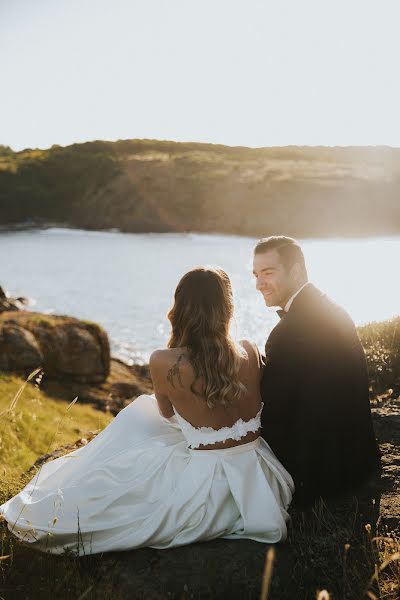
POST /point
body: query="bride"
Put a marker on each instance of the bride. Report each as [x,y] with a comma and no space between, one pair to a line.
[185,465]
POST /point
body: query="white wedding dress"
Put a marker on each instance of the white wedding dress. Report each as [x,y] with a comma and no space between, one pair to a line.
[139,483]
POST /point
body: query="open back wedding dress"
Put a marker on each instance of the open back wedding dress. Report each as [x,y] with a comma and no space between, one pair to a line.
[143,482]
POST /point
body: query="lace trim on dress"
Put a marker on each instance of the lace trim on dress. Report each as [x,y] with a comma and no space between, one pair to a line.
[199,436]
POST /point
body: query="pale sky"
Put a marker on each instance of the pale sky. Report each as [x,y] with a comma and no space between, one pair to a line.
[237,72]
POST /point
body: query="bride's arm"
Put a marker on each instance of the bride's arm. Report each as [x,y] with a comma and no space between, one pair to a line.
[156,368]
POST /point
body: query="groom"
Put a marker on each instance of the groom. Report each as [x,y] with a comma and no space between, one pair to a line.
[316,415]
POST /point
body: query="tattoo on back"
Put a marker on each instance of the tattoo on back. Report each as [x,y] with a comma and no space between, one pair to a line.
[175,372]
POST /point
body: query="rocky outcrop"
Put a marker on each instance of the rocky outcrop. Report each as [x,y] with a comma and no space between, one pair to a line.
[66,348]
[7,303]
[74,355]
[89,435]
[234,569]
[121,386]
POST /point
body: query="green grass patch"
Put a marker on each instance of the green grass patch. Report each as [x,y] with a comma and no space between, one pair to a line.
[38,424]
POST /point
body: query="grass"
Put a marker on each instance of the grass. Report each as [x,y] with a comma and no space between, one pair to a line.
[37,424]
[334,548]
[33,424]
[381,341]
[332,552]
[30,319]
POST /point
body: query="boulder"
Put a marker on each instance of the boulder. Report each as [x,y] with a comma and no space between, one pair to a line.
[19,349]
[66,348]
[7,304]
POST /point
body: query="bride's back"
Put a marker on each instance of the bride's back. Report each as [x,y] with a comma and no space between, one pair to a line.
[174,379]
[174,367]
[204,377]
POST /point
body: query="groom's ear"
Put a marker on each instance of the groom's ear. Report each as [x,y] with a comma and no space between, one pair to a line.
[296,271]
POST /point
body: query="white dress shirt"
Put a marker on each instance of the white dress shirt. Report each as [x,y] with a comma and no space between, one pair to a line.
[289,302]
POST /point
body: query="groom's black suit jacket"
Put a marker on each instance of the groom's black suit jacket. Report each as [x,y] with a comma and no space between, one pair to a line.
[317,416]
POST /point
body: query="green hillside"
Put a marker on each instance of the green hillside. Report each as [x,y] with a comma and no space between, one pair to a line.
[150,185]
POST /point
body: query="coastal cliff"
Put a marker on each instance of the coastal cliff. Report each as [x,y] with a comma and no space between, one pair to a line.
[160,186]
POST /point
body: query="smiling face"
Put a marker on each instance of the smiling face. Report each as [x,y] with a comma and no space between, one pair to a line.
[276,282]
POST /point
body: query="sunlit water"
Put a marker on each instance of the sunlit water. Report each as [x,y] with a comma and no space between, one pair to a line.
[126,282]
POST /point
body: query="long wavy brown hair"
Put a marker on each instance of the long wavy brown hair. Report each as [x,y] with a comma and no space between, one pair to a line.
[200,320]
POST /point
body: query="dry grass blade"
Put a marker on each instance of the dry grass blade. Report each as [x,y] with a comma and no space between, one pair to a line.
[392,558]
[85,593]
[70,405]
[372,596]
[382,538]
[19,393]
[323,595]
[267,575]
[5,557]
[375,575]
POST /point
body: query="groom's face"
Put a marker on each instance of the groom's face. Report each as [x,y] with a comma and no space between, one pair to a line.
[273,280]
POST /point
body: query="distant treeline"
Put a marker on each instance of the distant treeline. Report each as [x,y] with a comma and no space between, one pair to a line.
[150,185]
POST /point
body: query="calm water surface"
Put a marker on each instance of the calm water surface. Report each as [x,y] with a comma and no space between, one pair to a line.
[126,282]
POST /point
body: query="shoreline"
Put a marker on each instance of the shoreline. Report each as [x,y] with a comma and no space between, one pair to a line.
[23,226]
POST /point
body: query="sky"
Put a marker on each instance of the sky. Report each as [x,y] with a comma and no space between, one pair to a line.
[237,72]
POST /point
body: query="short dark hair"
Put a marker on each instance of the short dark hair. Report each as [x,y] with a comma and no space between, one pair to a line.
[289,249]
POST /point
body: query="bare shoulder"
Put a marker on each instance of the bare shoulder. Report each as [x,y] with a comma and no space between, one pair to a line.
[160,363]
[158,356]
[164,356]
[160,360]
[164,359]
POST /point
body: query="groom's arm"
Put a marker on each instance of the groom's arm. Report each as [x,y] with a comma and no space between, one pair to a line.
[328,417]
[279,391]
